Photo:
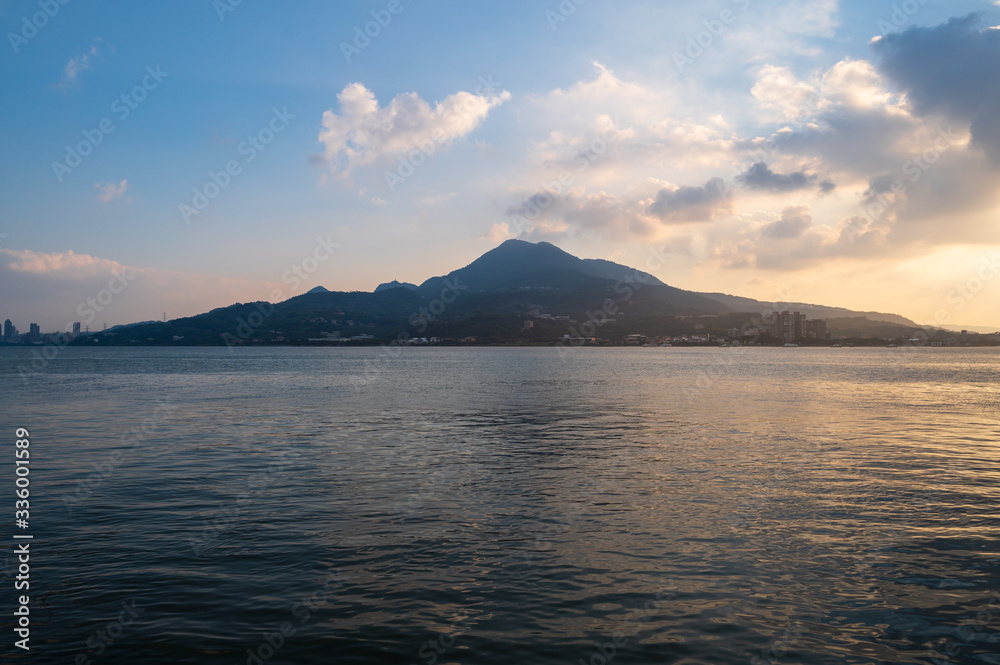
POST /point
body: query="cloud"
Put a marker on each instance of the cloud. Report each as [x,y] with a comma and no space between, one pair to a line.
[809,17]
[949,69]
[364,133]
[610,132]
[432,199]
[855,84]
[793,242]
[760,176]
[793,223]
[68,263]
[777,88]
[837,141]
[79,64]
[52,288]
[879,184]
[549,215]
[110,191]
[498,233]
[692,204]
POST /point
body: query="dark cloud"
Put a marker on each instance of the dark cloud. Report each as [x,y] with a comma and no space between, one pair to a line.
[850,139]
[317,159]
[549,215]
[793,223]
[949,69]
[827,186]
[534,205]
[880,184]
[760,176]
[692,204]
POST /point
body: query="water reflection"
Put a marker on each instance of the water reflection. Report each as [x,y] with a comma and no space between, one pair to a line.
[496,505]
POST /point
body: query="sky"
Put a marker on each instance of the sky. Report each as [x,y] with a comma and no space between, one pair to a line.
[164,159]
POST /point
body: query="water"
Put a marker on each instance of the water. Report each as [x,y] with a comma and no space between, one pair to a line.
[481,505]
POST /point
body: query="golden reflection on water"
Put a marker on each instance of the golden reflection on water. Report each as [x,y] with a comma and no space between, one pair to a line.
[844,503]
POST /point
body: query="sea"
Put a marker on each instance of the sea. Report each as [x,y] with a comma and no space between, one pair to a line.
[488,505]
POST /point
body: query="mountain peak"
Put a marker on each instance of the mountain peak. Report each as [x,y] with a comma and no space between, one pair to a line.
[519,264]
[394,284]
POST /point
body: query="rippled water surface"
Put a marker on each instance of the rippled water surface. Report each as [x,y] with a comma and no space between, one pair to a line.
[479,505]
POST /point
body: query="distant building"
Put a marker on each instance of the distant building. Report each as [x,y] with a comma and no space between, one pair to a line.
[787,325]
[793,326]
[815,329]
[76,329]
[35,333]
[9,331]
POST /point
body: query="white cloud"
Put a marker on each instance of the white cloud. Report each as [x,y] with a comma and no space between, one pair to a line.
[777,88]
[435,199]
[498,233]
[68,263]
[79,64]
[52,288]
[364,133]
[809,17]
[110,191]
[855,83]
[609,133]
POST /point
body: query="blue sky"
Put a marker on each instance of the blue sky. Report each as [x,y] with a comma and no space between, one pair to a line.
[618,99]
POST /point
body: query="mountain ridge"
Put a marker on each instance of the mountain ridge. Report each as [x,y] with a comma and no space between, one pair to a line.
[516,292]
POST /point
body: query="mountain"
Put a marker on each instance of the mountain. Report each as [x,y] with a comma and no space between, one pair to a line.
[518,292]
[740,304]
[395,285]
[556,279]
[517,264]
[318,289]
